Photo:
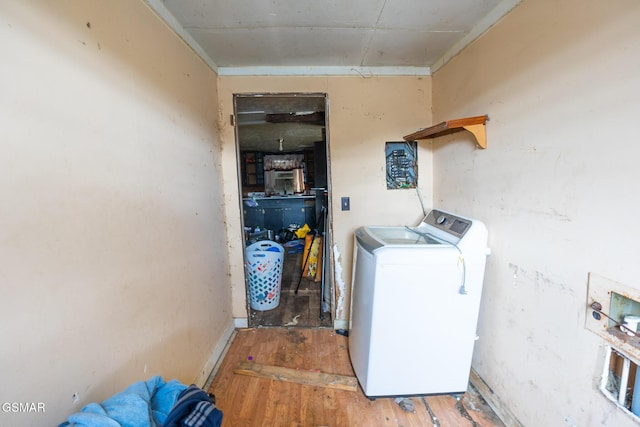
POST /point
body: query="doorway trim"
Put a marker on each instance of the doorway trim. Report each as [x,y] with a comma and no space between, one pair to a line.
[328,263]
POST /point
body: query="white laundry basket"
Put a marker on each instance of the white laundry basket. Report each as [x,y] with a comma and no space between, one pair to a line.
[264,261]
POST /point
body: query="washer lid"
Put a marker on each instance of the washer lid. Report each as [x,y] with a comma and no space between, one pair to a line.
[400,236]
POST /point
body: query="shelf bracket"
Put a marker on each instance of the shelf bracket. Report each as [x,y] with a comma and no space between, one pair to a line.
[475,125]
[479,132]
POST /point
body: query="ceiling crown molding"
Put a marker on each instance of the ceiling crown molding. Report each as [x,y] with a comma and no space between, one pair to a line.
[487,22]
[364,72]
[158,7]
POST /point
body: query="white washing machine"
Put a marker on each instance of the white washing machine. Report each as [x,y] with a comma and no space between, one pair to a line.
[414,305]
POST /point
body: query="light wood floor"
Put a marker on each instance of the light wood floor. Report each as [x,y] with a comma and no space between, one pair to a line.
[250,401]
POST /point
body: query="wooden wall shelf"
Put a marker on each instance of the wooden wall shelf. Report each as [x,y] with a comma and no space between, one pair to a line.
[475,125]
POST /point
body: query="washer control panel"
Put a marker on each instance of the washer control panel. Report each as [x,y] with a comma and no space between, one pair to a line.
[448,222]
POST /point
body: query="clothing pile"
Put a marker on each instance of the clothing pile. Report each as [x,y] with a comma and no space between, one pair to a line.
[194,408]
[151,403]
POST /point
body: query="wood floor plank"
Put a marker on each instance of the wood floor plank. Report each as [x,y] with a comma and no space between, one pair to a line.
[444,407]
[314,377]
[252,401]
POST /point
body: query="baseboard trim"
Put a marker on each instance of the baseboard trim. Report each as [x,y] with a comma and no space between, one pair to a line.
[340,324]
[216,356]
[241,322]
[493,401]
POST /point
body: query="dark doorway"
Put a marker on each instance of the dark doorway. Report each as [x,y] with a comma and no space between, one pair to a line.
[283,158]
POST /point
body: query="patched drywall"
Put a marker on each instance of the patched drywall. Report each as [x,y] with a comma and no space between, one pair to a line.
[114,263]
[364,113]
[556,188]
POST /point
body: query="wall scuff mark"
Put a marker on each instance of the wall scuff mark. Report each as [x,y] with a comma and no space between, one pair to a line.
[538,279]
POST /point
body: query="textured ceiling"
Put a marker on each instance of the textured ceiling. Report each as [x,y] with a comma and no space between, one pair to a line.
[330,33]
[255,133]
[320,37]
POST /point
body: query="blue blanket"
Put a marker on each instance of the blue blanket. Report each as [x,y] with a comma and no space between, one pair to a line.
[142,404]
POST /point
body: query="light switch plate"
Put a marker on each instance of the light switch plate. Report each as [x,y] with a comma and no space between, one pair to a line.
[345,203]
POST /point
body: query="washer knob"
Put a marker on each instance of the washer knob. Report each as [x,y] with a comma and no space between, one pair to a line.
[441,219]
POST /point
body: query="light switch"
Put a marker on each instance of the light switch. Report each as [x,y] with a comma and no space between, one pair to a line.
[346,204]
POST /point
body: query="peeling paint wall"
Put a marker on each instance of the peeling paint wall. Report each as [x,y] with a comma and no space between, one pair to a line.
[113,259]
[364,113]
[340,286]
[557,189]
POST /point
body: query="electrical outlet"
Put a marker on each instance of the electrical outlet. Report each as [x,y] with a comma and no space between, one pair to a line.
[346,204]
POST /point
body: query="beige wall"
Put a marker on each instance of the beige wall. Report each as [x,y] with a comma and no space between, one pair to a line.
[364,114]
[557,188]
[115,263]
[113,260]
